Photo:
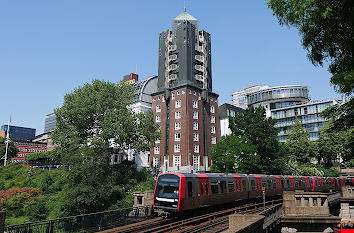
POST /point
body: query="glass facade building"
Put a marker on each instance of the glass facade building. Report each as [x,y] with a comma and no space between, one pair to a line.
[19,133]
[285,104]
[50,123]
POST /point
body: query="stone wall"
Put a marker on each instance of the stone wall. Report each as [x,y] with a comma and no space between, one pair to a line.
[251,223]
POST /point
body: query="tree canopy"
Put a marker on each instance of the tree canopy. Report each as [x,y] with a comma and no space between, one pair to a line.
[11,150]
[326,27]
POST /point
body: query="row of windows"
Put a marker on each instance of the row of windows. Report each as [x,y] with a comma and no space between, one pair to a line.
[195,138]
[178,116]
[309,109]
[31,150]
[279,93]
[196,161]
[30,144]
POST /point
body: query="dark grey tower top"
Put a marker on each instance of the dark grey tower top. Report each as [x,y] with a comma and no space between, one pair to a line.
[184,55]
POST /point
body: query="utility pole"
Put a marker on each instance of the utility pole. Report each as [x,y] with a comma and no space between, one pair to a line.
[7,140]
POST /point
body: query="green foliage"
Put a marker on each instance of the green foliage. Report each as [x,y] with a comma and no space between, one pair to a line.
[11,150]
[332,144]
[300,147]
[262,134]
[52,156]
[327,33]
[235,154]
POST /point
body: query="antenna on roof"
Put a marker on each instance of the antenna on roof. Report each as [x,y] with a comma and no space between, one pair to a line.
[185,6]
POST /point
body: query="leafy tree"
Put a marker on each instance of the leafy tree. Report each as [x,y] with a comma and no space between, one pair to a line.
[300,147]
[332,144]
[235,154]
[327,33]
[94,122]
[11,150]
[95,118]
[262,134]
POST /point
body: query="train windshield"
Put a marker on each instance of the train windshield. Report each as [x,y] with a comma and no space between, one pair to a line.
[167,186]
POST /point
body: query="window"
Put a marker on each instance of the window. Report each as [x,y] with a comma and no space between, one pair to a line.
[176,161]
[196,161]
[177,137]
[183,91]
[212,119]
[195,115]
[212,109]
[178,103]
[190,189]
[178,93]
[158,108]
[213,140]
[214,188]
[222,186]
[156,162]
[213,129]
[195,125]
[177,148]
[195,104]
[178,115]
[195,137]
[196,148]
[157,150]
[177,125]
[190,92]
[158,98]
[157,140]
[158,118]
[231,187]
[172,95]
[244,186]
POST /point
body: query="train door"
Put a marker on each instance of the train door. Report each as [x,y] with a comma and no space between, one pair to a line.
[313,184]
[204,190]
[292,183]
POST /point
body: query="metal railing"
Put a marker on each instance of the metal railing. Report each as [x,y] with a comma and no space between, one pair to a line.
[87,222]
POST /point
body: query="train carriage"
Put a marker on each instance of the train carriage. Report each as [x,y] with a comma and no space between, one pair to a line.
[177,192]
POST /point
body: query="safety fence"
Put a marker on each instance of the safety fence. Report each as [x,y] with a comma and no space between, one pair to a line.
[87,222]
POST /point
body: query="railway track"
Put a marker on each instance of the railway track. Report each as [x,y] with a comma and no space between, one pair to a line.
[211,222]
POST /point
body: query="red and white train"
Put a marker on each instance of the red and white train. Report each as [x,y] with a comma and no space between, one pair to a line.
[178,192]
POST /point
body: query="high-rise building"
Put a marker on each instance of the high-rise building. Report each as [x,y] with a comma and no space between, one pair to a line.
[184,106]
[50,123]
[285,104]
[18,133]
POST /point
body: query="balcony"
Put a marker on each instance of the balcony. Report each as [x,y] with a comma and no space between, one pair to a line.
[199,48]
[199,58]
[199,77]
[199,68]
[172,48]
[172,57]
[172,77]
[172,67]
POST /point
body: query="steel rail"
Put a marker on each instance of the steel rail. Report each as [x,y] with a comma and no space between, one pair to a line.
[207,217]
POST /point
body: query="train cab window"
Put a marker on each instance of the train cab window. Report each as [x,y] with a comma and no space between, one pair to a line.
[222,186]
[244,185]
[231,187]
[253,184]
[214,188]
[190,189]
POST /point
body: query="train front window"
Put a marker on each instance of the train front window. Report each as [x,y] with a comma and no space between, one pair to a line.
[168,186]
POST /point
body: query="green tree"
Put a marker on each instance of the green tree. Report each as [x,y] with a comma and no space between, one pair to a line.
[332,144]
[11,150]
[233,154]
[262,134]
[326,27]
[300,147]
[96,117]
[95,121]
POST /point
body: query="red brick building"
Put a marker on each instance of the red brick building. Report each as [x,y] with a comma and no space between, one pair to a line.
[184,106]
[25,148]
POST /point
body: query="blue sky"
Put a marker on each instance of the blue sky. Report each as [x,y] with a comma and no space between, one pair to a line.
[48,48]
